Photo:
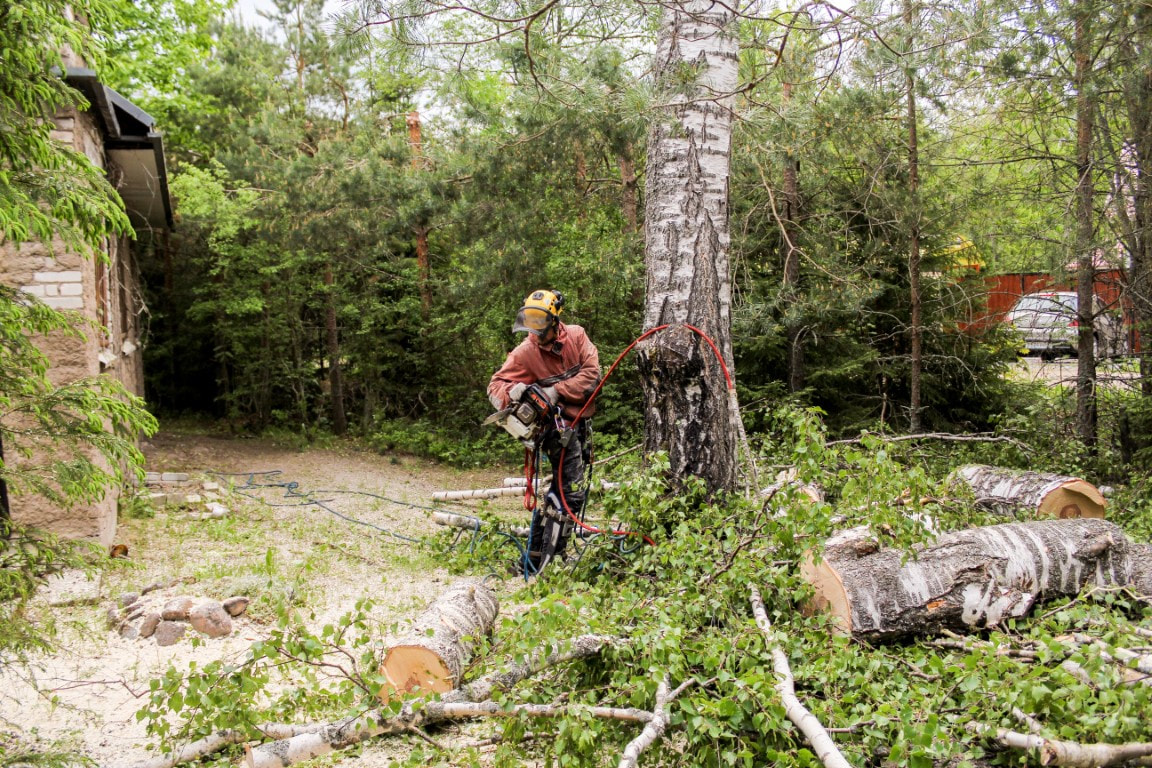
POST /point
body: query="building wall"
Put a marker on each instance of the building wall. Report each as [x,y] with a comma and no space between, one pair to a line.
[103,294]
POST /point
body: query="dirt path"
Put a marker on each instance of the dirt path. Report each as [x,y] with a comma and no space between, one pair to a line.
[275,548]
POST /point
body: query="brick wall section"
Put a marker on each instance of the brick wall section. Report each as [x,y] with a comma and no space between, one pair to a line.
[68,281]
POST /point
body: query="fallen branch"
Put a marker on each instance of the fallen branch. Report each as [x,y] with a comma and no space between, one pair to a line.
[374,723]
[301,742]
[947,437]
[1139,667]
[812,729]
[655,727]
[469,523]
[1069,754]
[221,740]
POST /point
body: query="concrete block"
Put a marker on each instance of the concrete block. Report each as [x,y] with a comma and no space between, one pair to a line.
[34,290]
[71,289]
[66,276]
[211,486]
[65,302]
[52,289]
[174,477]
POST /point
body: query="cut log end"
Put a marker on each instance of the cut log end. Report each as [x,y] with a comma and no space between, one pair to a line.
[413,669]
[830,597]
[1075,498]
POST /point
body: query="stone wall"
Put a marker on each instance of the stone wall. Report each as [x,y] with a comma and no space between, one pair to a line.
[102,293]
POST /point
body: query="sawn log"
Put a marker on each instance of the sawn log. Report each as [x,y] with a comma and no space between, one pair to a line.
[1028,495]
[970,579]
[432,656]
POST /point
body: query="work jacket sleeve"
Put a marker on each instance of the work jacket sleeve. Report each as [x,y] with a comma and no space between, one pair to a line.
[581,386]
[513,371]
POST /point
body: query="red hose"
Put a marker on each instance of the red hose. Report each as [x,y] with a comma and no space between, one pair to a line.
[559,469]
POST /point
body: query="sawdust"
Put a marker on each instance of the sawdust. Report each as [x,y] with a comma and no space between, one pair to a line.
[276,547]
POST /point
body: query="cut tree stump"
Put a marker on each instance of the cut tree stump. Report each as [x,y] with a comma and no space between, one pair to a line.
[1034,494]
[432,656]
[970,579]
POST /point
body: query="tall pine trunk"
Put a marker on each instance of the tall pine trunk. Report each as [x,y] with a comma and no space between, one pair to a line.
[1138,99]
[332,343]
[423,261]
[790,230]
[686,243]
[1085,271]
[916,331]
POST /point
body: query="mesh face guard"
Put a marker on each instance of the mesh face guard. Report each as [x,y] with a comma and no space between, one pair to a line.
[533,320]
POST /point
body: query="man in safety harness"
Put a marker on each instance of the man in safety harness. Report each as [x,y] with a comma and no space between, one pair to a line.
[556,369]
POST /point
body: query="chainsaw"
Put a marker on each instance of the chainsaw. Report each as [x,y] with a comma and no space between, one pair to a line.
[527,419]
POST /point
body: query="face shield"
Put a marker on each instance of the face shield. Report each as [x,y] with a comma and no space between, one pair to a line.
[532,320]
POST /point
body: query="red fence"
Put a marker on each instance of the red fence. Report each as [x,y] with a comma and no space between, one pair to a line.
[1002,292]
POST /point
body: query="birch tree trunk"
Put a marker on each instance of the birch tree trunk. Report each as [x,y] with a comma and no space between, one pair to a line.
[1030,494]
[431,658]
[686,243]
[967,580]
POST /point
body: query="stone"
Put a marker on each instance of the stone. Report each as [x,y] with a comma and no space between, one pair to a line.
[151,478]
[169,632]
[236,605]
[129,631]
[211,486]
[148,624]
[134,613]
[112,618]
[211,496]
[210,619]
[129,598]
[193,498]
[217,510]
[152,587]
[174,477]
[177,609]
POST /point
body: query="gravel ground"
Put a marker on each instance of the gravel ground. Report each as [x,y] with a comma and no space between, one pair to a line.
[86,695]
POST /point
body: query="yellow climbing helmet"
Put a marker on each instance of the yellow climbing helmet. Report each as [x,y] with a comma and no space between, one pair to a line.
[540,311]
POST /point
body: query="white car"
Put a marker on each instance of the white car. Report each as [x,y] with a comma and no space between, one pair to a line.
[1049,325]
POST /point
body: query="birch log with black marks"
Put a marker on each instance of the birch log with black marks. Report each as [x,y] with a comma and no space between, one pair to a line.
[432,656]
[687,410]
[967,580]
[1031,494]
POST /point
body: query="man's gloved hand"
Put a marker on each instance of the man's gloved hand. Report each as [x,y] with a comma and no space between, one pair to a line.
[516,391]
[553,395]
[496,400]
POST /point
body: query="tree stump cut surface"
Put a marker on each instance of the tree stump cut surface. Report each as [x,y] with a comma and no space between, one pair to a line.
[1011,492]
[966,580]
[432,656]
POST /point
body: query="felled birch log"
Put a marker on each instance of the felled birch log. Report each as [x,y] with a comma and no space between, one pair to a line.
[1068,754]
[479,493]
[431,657]
[469,523]
[966,580]
[1031,494]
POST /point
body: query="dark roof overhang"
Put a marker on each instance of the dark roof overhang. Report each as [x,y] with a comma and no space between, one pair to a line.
[133,147]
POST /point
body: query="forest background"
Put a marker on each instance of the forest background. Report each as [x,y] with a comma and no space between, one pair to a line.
[362,207]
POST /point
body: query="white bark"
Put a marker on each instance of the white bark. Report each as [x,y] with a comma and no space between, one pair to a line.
[1065,753]
[479,493]
[1031,494]
[965,580]
[822,743]
[469,523]
[431,658]
[686,244]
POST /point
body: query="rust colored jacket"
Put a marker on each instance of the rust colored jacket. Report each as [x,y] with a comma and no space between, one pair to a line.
[570,363]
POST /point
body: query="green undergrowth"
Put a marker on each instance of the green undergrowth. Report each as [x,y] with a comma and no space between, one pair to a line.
[680,609]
